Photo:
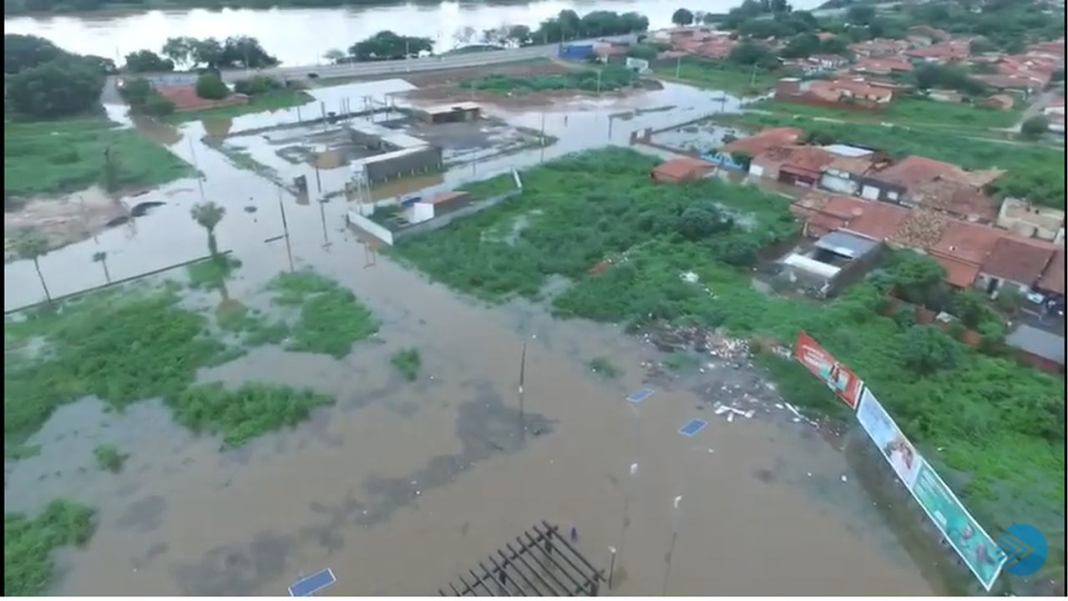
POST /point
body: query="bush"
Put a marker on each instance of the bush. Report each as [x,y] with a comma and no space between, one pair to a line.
[928,349]
[28,545]
[158,106]
[407,363]
[109,458]
[1035,126]
[211,87]
[259,84]
[54,89]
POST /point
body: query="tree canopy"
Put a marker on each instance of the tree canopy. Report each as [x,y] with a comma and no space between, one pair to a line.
[55,89]
[146,61]
[682,16]
[234,52]
[386,45]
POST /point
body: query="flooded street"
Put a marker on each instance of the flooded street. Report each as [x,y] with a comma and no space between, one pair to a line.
[400,486]
[300,36]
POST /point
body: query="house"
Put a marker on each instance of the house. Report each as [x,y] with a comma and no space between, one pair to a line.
[921,229]
[1051,284]
[832,262]
[822,213]
[845,93]
[797,165]
[878,48]
[1011,83]
[1037,347]
[999,102]
[844,173]
[961,250]
[1014,262]
[894,183]
[827,62]
[1031,221]
[883,66]
[682,169]
[765,139]
[451,113]
[942,52]
[962,201]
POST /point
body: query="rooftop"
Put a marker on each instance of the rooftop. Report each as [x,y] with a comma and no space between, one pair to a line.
[756,144]
[682,168]
[846,244]
[914,170]
[1018,260]
[959,199]
[969,242]
[1037,342]
[1053,277]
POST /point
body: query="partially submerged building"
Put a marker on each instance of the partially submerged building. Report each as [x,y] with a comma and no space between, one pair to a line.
[391,154]
[832,262]
[450,113]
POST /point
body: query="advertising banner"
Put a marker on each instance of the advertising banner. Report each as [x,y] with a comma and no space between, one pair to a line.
[981,554]
[895,448]
[823,365]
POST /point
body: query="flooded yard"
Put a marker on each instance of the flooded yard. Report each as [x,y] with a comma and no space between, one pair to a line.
[399,486]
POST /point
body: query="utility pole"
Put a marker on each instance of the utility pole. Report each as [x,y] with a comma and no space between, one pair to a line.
[285,228]
[599,71]
[678,67]
[522,377]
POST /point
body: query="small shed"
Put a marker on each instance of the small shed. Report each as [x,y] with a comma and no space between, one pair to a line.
[452,113]
[438,204]
[683,169]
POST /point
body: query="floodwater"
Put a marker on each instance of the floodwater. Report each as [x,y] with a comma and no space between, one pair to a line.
[401,486]
[301,36]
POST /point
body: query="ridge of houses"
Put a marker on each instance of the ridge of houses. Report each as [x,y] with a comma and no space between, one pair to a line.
[920,203]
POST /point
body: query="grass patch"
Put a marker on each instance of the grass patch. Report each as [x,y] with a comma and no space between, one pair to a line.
[1000,426]
[407,363]
[49,157]
[121,345]
[1035,173]
[718,75]
[603,368]
[259,103]
[211,273]
[907,111]
[16,452]
[28,545]
[609,78]
[109,458]
[331,318]
[245,413]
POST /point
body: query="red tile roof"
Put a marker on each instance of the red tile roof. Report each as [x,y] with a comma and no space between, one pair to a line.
[915,170]
[754,145]
[961,200]
[1053,277]
[967,242]
[682,168]
[958,273]
[877,220]
[1018,260]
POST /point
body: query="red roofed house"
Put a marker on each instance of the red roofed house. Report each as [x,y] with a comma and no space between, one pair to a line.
[823,213]
[883,66]
[1015,262]
[798,165]
[1052,280]
[683,169]
[878,48]
[899,181]
[840,93]
[944,52]
[962,249]
[762,141]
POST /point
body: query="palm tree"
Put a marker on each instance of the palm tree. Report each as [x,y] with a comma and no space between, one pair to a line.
[102,258]
[208,215]
[31,244]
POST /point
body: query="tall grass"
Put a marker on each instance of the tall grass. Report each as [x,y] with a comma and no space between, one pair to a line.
[407,362]
[331,318]
[29,542]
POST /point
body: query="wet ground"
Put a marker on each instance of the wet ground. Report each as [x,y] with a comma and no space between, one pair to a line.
[400,486]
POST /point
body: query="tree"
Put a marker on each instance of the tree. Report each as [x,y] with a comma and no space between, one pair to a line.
[1035,126]
[245,52]
[928,349]
[158,106]
[969,306]
[835,45]
[259,84]
[917,278]
[335,56]
[207,52]
[643,51]
[208,215]
[681,17]
[135,91]
[180,49]
[102,258]
[28,51]
[55,89]
[631,22]
[860,14]
[211,86]
[518,35]
[981,46]
[146,61]
[801,45]
[31,244]
[386,45]
[751,53]
[701,220]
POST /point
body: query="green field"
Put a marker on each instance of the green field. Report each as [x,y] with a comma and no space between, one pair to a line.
[271,101]
[994,429]
[46,157]
[908,111]
[718,75]
[1033,172]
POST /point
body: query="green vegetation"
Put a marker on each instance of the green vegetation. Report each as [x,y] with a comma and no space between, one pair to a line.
[145,99]
[62,156]
[908,111]
[682,361]
[122,346]
[1035,173]
[999,426]
[109,458]
[28,545]
[259,103]
[245,413]
[407,362]
[43,81]
[211,87]
[719,75]
[208,273]
[16,452]
[590,80]
[331,318]
[604,368]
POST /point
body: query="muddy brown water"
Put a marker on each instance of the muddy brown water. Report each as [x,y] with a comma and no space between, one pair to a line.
[401,486]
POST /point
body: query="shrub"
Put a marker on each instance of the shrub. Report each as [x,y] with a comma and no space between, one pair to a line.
[55,89]
[407,362]
[109,458]
[28,544]
[1035,126]
[928,349]
[158,106]
[211,87]
[259,84]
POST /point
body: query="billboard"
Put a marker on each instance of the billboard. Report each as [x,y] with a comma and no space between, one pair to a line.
[837,377]
[980,553]
[895,448]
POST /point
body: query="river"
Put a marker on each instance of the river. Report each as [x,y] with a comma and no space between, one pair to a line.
[300,36]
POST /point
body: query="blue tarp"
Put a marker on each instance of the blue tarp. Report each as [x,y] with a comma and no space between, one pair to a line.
[692,427]
[641,395]
[308,586]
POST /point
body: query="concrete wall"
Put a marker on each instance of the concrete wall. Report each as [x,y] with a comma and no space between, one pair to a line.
[405,165]
[391,237]
[365,224]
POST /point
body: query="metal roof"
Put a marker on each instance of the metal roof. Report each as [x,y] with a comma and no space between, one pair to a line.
[846,244]
[1037,342]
